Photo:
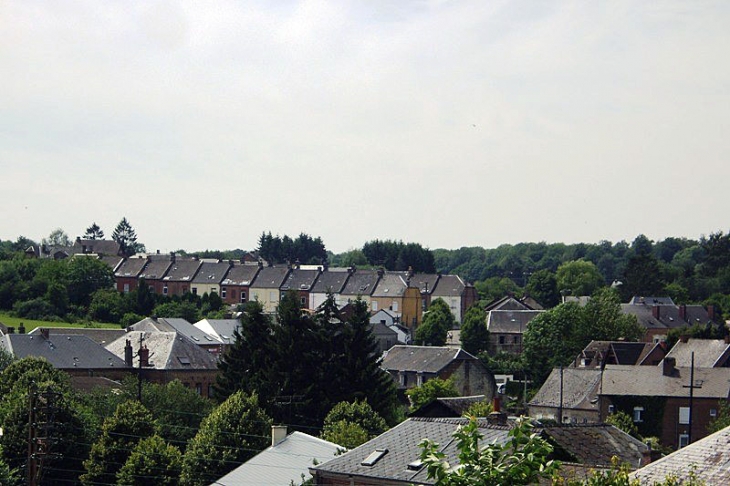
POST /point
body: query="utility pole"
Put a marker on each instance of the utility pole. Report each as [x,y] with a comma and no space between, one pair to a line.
[41,430]
[691,387]
[560,408]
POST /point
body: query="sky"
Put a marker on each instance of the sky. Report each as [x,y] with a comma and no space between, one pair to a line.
[447,123]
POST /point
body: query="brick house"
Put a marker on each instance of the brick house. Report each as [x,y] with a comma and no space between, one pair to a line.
[127,275]
[394,293]
[178,279]
[209,277]
[155,270]
[301,281]
[235,285]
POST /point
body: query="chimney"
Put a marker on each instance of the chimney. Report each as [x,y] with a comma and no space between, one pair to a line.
[21,328]
[496,404]
[144,356]
[325,266]
[278,434]
[45,332]
[11,330]
[682,312]
[172,256]
[497,418]
[727,338]
[381,272]
[158,252]
[128,353]
[711,312]
[261,263]
[668,366]
[655,312]
[684,338]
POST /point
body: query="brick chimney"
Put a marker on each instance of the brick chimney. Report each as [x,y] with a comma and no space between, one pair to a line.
[668,366]
[278,434]
[684,338]
[21,328]
[497,418]
[682,312]
[144,356]
[655,312]
[45,332]
[711,312]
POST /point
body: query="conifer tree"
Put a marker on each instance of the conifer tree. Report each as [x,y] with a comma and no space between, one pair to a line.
[93,232]
[125,235]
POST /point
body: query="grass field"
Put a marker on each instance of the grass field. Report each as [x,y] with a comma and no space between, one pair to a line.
[31,324]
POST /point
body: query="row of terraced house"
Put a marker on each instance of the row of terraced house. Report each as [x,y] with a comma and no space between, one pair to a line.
[405,294]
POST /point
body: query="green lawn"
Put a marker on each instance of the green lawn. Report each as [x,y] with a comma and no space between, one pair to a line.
[31,324]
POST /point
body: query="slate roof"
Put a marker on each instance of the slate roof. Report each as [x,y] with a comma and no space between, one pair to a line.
[99,336]
[425,282]
[625,353]
[428,359]
[708,353]
[241,275]
[402,444]
[211,272]
[105,247]
[156,268]
[449,286]
[669,316]
[390,285]
[131,267]
[182,270]
[510,321]
[623,380]
[64,352]
[270,278]
[221,329]
[283,463]
[580,388]
[182,326]
[331,280]
[299,279]
[361,282]
[639,300]
[708,459]
[168,350]
[112,261]
[508,302]
[595,444]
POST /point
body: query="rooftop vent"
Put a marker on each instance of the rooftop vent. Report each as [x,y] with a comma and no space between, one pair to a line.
[374,457]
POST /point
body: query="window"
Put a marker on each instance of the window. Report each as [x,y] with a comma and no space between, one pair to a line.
[243,297]
[199,388]
[272,296]
[713,412]
[195,290]
[126,288]
[374,305]
[210,390]
[395,306]
[638,411]
[223,293]
[611,409]
[214,290]
[419,379]
[164,290]
[516,339]
[684,415]
[683,440]
[501,339]
[304,301]
[403,379]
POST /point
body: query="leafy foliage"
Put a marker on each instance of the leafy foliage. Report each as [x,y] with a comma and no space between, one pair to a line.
[396,255]
[523,459]
[623,421]
[233,433]
[350,424]
[58,237]
[151,463]
[430,391]
[437,322]
[121,432]
[579,277]
[304,249]
[474,333]
[543,287]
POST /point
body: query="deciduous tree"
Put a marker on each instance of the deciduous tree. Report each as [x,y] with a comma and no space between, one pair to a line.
[579,277]
[437,322]
[474,333]
[430,391]
[151,463]
[233,433]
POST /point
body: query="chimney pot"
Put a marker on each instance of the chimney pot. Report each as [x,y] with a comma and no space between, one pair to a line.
[497,418]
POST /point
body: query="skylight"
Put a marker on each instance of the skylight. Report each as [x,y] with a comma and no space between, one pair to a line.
[374,457]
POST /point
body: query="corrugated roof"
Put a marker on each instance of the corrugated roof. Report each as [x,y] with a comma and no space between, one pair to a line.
[282,464]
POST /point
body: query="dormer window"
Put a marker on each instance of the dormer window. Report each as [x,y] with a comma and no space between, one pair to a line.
[374,457]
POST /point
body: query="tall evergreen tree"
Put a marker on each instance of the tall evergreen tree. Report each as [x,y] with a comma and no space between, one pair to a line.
[125,235]
[93,232]
[248,362]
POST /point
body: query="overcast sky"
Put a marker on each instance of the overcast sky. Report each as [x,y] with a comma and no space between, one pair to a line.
[448,123]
